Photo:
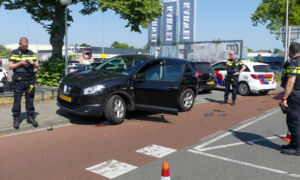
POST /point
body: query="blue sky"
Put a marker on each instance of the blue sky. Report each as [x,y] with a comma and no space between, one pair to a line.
[216,19]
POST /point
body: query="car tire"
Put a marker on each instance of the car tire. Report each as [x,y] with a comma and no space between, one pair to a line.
[243,89]
[115,110]
[186,100]
[263,92]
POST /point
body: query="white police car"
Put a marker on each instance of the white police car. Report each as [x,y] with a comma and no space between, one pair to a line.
[3,78]
[257,78]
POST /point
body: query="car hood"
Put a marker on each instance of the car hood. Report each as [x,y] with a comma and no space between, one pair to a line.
[90,77]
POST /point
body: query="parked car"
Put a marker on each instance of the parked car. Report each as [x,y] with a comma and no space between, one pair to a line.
[3,79]
[78,67]
[205,76]
[258,77]
[94,64]
[73,63]
[127,83]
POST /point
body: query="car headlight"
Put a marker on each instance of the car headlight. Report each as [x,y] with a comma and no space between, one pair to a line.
[93,89]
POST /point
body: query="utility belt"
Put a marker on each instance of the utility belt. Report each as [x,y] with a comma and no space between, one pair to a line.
[23,77]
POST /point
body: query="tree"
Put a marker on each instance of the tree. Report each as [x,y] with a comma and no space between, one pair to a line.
[4,51]
[273,14]
[116,44]
[250,50]
[84,45]
[276,51]
[50,14]
[147,46]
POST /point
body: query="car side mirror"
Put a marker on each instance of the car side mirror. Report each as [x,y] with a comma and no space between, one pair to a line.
[139,77]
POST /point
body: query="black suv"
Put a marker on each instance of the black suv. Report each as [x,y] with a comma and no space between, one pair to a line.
[127,83]
[205,75]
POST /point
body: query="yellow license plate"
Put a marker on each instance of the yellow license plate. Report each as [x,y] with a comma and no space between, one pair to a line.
[268,79]
[66,98]
[210,82]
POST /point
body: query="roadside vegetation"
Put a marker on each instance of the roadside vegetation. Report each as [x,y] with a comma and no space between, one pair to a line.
[50,73]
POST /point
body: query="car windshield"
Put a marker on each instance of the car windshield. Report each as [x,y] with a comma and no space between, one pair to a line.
[262,68]
[121,64]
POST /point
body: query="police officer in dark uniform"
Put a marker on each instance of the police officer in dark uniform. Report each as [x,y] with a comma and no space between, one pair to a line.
[291,99]
[23,62]
[234,68]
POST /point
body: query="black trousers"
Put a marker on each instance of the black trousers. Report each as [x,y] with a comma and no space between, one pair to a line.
[20,87]
[293,118]
[234,80]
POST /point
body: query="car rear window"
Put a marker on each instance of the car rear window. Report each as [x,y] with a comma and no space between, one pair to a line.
[202,67]
[262,68]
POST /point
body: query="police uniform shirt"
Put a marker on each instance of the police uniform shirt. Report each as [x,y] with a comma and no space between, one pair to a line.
[234,66]
[18,55]
[292,68]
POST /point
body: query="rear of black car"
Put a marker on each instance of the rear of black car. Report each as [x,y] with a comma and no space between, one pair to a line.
[205,76]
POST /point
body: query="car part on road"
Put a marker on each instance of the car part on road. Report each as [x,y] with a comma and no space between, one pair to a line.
[186,101]
[243,89]
[115,110]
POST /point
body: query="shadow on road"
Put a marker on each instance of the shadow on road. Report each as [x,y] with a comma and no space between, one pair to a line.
[88,120]
[255,139]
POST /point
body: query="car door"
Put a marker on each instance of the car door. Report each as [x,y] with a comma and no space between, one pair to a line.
[158,89]
[220,72]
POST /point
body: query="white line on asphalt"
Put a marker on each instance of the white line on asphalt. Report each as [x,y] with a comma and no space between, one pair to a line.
[246,164]
[199,147]
[241,143]
[111,169]
[156,151]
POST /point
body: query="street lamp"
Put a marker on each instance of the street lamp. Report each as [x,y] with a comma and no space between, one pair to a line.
[66,3]
[286,32]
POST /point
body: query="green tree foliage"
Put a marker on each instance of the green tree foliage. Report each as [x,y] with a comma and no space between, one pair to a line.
[272,14]
[260,59]
[250,50]
[5,52]
[50,14]
[116,44]
[51,72]
[276,50]
[84,45]
[147,46]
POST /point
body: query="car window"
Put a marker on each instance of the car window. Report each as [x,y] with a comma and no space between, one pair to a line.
[262,68]
[1,70]
[203,67]
[219,66]
[164,72]
[247,69]
[123,65]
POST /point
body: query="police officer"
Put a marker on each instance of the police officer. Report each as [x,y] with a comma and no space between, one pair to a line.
[291,99]
[23,62]
[234,68]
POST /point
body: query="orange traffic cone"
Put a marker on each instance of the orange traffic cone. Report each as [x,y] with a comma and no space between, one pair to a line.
[165,173]
[287,138]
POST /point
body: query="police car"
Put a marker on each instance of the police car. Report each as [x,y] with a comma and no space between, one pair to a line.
[3,78]
[257,78]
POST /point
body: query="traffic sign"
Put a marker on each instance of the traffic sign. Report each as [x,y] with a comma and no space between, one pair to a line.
[87,53]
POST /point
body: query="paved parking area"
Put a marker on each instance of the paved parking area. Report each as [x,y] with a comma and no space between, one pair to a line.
[250,150]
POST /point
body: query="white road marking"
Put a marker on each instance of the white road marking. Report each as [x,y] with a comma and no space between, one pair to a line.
[241,143]
[156,151]
[199,147]
[246,164]
[111,169]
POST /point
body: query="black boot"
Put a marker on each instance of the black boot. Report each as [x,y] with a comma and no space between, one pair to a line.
[233,102]
[16,122]
[31,120]
[224,102]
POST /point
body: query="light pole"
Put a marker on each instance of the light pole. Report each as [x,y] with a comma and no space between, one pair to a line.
[286,31]
[66,3]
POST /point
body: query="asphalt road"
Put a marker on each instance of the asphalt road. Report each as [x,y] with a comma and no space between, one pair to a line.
[89,150]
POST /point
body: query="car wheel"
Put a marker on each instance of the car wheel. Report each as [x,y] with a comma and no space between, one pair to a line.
[115,110]
[263,92]
[186,100]
[243,89]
